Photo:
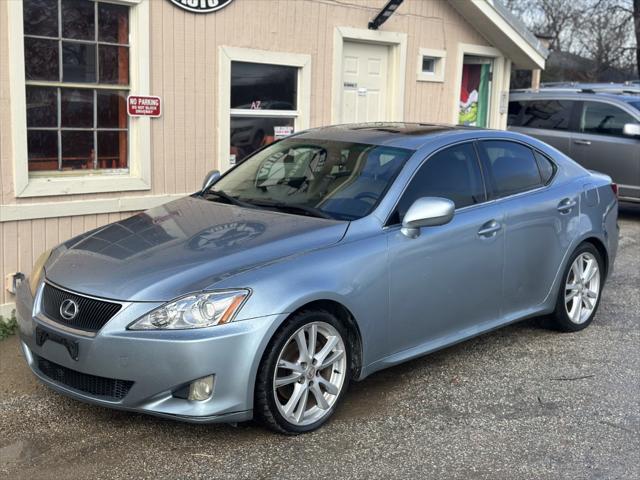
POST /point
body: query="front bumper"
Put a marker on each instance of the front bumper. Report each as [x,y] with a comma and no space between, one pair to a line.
[158,363]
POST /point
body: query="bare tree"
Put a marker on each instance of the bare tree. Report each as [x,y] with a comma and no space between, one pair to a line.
[636,21]
[600,32]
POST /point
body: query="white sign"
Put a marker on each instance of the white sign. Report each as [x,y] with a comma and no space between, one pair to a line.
[281,132]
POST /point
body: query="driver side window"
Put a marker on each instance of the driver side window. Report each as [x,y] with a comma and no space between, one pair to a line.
[603,119]
[453,173]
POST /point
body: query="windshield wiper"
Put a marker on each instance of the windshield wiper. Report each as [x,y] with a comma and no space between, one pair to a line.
[292,207]
[229,198]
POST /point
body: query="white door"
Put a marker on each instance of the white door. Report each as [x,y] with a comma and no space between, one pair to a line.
[364,82]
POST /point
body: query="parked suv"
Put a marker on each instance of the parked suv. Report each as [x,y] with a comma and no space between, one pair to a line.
[600,130]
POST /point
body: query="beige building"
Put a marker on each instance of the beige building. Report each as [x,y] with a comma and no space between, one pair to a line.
[232,75]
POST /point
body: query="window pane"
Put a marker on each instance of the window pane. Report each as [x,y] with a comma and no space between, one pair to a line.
[113,23]
[263,87]
[514,112]
[603,119]
[428,64]
[41,59]
[78,20]
[43,150]
[551,114]
[40,17]
[453,173]
[112,109]
[547,167]
[250,133]
[112,149]
[78,62]
[42,106]
[77,150]
[114,64]
[76,108]
[513,167]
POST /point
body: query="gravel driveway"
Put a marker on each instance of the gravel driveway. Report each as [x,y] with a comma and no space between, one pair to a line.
[522,402]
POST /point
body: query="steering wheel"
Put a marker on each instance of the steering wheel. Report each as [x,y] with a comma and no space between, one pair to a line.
[373,197]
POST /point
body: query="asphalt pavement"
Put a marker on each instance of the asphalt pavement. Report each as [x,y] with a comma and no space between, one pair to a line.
[523,402]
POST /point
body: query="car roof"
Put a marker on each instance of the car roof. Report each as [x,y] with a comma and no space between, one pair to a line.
[395,134]
[572,94]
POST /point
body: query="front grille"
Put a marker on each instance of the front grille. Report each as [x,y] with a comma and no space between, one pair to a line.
[106,388]
[92,314]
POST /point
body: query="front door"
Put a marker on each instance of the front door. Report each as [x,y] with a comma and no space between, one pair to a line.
[600,145]
[364,82]
[475,91]
[446,282]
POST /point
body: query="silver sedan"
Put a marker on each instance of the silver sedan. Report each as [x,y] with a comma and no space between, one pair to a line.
[317,261]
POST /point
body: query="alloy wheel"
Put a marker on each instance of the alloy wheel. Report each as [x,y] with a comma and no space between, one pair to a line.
[582,288]
[310,373]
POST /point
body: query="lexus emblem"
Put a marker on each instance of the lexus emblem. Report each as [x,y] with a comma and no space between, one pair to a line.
[69,309]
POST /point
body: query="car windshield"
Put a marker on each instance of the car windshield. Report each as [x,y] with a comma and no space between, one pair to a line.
[323,178]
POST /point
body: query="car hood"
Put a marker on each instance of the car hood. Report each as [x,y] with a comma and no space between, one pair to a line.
[181,247]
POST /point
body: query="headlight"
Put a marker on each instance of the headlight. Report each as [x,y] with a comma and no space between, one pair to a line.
[194,311]
[38,270]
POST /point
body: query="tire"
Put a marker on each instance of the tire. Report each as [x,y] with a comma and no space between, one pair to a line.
[276,406]
[572,313]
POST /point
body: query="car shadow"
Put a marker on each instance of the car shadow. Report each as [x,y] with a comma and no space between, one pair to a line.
[629,211]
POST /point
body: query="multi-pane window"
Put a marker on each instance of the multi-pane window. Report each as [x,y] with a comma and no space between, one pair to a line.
[264,105]
[77,80]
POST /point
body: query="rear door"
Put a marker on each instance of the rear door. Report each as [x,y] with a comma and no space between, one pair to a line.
[539,221]
[545,119]
[600,145]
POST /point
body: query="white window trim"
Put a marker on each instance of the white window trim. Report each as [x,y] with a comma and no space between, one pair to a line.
[397,42]
[439,57]
[234,54]
[501,74]
[139,175]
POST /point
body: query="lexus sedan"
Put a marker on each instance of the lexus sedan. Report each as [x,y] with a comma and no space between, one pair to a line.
[317,261]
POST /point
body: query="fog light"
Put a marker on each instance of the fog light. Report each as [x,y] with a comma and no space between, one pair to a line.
[201,389]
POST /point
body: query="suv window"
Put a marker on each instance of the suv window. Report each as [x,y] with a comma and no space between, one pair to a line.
[453,173]
[603,119]
[513,167]
[547,114]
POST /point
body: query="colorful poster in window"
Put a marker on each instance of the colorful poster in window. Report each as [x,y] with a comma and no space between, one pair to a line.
[474,94]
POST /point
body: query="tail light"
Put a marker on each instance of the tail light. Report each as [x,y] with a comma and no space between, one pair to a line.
[614,187]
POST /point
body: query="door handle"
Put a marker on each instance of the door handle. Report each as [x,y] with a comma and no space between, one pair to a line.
[582,142]
[489,229]
[566,205]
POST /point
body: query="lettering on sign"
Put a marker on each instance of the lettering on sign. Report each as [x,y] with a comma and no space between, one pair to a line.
[143,106]
[201,6]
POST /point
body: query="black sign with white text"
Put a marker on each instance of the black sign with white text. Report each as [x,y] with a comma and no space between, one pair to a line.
[201,6]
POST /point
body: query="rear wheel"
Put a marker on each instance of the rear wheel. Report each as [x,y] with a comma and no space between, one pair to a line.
[303,374]
[580,290]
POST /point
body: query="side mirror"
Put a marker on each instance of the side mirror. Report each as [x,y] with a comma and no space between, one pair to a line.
[631,129]
[209,179]
[427,212]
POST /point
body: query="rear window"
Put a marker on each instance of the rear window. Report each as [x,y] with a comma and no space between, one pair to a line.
[512,165]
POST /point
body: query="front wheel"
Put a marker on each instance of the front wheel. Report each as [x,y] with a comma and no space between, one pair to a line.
[303,374]
[580,290]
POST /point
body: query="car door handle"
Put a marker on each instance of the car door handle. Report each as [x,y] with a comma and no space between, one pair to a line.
[566,205]
[489,229]
[582,142]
